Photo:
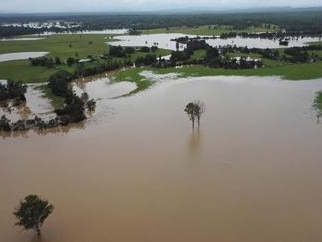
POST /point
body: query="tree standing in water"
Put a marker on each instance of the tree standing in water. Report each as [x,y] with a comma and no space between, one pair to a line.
[200,109]
[191,113]
[194,111]
[32,213]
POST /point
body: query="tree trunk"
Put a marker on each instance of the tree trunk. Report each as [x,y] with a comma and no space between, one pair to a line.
[37,229]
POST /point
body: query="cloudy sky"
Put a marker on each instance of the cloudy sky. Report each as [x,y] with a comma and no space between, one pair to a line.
[143,5]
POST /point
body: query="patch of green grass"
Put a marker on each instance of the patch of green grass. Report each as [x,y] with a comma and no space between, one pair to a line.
[287,71]
[23,71]
[315,43]
[317,103]
[198,54]
[61,45]
[56,101]
[133,75]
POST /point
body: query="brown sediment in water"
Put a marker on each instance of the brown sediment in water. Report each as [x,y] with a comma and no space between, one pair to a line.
[138,173]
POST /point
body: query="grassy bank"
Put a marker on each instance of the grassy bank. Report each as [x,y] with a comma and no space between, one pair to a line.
[133,75]
[56,101]
[287,71]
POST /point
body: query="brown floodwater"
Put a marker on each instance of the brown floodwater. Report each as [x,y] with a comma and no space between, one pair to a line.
[137,172]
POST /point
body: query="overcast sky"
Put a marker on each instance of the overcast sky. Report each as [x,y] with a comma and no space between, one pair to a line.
[143,5]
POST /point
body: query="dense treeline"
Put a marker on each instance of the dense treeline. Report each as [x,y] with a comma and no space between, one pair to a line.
[116,57]
[75,106]
[214,57]
[45,61]
[300,20]
[303,54]
[13,91]
[72,112]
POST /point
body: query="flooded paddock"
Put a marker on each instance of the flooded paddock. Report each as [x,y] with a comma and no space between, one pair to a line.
[36,104]
[164,41]
[21,56]
[138,172]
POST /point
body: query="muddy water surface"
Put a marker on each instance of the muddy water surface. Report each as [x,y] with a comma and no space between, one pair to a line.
[252,172]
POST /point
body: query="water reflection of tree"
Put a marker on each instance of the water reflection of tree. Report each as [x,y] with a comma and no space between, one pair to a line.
[43,132]
[195,141]
[39,239]
[61,129]
[24,111]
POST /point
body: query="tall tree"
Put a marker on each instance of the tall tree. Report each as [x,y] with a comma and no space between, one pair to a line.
[190,110]
[32,213]
[199,109]
[194,111]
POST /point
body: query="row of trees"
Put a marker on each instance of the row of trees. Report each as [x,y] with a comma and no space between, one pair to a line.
[45,61]
[215,56]
[75,106]
[12,93]
[106,62]
[299,21]
[218,56]
[73,111]
[12,90]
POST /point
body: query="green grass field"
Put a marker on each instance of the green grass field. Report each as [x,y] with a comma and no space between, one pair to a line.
[133,75]
[23,71]
[62,46]
[287,71]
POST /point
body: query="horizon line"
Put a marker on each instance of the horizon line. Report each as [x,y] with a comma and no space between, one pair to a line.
[182,10]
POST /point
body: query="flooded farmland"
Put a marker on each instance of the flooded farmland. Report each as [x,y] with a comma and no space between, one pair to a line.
[138,172]
[20,56]
[164,41]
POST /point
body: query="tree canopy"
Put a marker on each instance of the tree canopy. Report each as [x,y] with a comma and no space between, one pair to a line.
[32,213]
[194,111]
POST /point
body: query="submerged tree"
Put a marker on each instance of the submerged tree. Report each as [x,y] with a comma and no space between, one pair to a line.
[317,105]
[199,109]
[194,111]
[32,213]
[191,113]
